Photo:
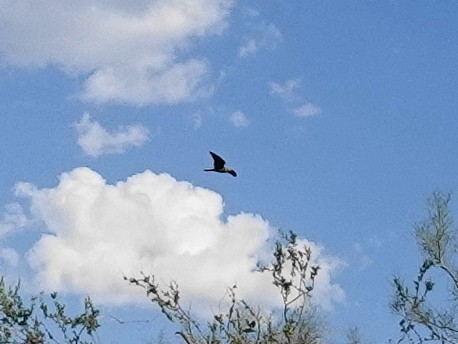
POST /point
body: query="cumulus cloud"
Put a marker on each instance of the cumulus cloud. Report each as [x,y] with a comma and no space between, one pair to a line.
[133,52]
[97,232]
[96,140]
[307,110]
[239,119]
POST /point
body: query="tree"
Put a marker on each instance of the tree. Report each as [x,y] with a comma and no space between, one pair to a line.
[293,275]
[423,317]
[43,319]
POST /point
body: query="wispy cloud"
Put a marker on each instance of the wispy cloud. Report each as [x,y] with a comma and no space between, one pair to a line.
[364,259]
[239,119]
[125,52]
[307,110]
[13,218]
[95,140]
[9,256]
[250,46]
[287,92]
[197,120]
[152,223]
[266,36]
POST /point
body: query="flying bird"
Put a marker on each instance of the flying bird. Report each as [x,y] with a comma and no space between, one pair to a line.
[218,165]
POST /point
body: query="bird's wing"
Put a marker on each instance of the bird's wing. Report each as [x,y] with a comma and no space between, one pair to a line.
[218,162]
[232,172]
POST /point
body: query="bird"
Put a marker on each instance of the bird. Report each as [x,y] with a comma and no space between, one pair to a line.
[218,165]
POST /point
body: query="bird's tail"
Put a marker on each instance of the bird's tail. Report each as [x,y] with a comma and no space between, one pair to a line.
[209,169]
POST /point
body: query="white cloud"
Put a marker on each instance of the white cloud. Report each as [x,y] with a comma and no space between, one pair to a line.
[176,83]
[307,110]
[96,232]
[250,46]
[239,119]
[133,52]
[364,260]
[285,90]
[267,36]
[13,218]
[9,256]
[96,140]
[197,120]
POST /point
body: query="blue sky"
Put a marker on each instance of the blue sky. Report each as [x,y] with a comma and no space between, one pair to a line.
[340,118]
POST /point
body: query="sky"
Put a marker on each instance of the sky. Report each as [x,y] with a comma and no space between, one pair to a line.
[340,118]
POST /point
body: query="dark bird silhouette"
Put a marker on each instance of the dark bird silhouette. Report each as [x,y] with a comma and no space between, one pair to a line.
[218,165]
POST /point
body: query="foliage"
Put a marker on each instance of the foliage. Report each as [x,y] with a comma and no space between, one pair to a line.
[41,321]
[421,321]
[296,321]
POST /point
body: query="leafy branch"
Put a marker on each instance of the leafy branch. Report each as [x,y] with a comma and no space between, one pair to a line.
[32,323]
[420,322]
[293,275]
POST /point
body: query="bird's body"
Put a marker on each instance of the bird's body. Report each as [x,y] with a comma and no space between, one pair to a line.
[218,165]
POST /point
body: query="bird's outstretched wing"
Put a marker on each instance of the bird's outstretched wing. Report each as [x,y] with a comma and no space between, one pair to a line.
[218,162]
